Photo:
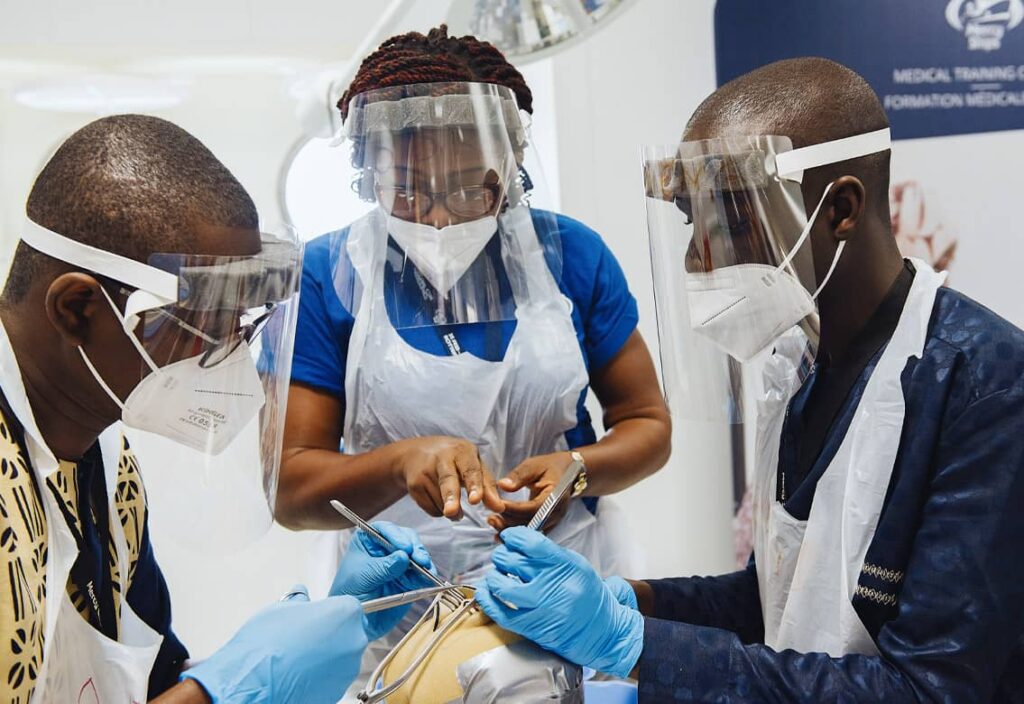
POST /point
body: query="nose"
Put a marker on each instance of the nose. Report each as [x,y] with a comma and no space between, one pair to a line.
[439,216]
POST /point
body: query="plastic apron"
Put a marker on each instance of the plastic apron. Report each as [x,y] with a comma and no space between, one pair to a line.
[808,570]
[80,664]
[512,410]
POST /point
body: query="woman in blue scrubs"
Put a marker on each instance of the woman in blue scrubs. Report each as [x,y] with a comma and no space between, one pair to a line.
[448,339]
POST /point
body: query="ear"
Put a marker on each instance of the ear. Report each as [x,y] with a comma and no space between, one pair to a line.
[72,303]
[847,207]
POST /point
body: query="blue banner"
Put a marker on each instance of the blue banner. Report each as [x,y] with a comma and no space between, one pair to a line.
[940,67]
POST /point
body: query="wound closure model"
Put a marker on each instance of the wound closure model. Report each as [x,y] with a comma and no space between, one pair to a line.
[455,654]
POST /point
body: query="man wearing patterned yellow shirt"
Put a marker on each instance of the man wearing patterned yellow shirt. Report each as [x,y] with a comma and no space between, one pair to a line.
[142,290]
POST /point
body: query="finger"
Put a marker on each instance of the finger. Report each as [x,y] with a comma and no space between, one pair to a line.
[450,487]
[497,522]
[368,544]
[374,547]
[405,539]
[393,566]
[514,563]
[515,594]
[520,476]
[427,497]
[509,519]
[525,508]
[421,556]
[495,610]
[402,538]
[532,544]
[468,464]
[492,499]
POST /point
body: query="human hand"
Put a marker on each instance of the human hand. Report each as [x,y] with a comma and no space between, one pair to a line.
[540,474]
[434,470]
[292,651]
[560,603]
[622,591]
[369,571]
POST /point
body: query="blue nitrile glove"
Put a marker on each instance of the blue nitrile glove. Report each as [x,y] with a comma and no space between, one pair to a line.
[368,571]
[622,591]
[292,651]
[562,603]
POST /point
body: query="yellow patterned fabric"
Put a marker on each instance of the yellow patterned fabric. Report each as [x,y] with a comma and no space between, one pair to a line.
[23,556]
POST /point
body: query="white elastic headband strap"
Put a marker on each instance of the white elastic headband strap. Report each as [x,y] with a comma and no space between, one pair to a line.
[99,379]
[135,341]
[805,234]
[159,283]
[806,231]
[792,164]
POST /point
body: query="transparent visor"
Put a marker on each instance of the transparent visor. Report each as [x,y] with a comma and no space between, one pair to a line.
[221,303]
[733,262]
[442,161]
[730,201]
[214,337]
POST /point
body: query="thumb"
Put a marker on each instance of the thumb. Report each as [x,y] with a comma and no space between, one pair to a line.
[517,478]
[394,565]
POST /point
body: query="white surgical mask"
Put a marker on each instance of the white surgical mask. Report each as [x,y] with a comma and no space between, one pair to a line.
[202,408]
[443,255]
[744,308]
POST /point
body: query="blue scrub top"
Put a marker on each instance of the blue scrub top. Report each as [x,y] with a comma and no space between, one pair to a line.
[604,311]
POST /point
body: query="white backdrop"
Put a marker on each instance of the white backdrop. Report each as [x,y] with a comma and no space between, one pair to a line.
[634,83]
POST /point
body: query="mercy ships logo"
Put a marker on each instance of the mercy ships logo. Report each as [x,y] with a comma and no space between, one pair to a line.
[984,22]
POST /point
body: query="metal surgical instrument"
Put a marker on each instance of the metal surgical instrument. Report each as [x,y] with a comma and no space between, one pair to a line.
[355,519]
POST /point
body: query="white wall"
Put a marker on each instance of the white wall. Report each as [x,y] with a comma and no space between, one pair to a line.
[634,83]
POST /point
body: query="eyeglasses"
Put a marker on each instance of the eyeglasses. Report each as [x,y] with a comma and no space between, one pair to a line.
[216,349]
[246,332]
[467,201]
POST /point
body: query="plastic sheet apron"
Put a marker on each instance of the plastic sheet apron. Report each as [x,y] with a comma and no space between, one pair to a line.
[514,409]
[808,570]
[80,664]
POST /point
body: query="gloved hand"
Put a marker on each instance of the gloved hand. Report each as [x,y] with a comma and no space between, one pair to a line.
[623,592]
[292,651]
[368,571]
[562,603]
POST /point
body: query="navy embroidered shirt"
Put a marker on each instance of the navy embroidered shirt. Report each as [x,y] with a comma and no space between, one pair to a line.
[942,588]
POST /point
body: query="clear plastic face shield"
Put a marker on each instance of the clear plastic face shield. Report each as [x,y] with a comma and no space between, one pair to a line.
[732,257]
[214,337]
[442,161]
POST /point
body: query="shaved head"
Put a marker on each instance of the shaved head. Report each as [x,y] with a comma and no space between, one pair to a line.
[809,100]
[132,185]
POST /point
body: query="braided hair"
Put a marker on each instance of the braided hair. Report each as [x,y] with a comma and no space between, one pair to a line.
[412,58]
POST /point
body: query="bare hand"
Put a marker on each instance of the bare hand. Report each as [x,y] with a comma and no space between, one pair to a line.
[434,470]
[540,474]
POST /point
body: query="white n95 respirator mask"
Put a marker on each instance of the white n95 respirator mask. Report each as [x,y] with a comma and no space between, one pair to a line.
[203,408]
[744,308]
[443,255]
